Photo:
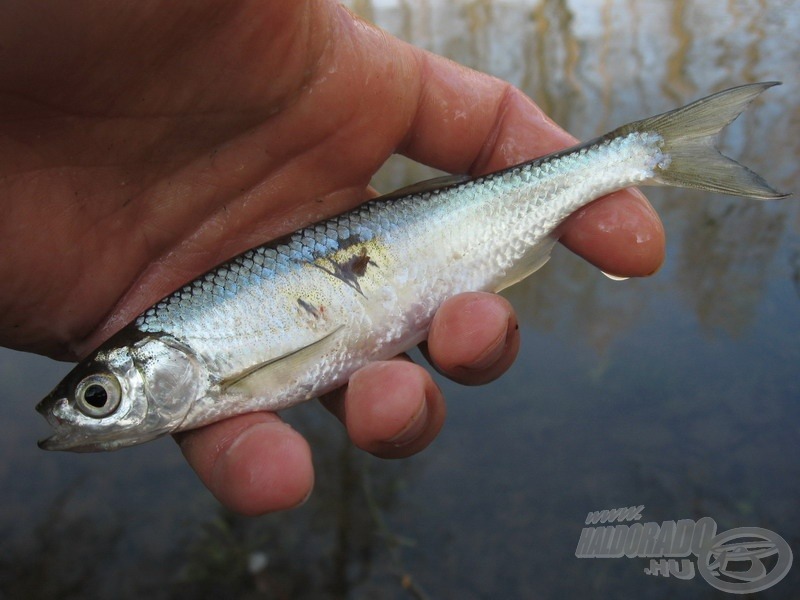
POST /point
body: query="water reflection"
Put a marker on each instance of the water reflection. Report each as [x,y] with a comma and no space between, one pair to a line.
[58,557]
[678,392]
[338,543]
[722,262]
[794,264]
[595,68]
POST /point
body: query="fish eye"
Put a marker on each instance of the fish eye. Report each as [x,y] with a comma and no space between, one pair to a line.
[98,395]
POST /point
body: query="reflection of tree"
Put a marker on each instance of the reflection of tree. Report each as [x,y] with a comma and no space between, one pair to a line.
[342,540]
[586,66]
[724,260]
[66,552]
[574,298]
[326,549]
[794,265]
[554,50]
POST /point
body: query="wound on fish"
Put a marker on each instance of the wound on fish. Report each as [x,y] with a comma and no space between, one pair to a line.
[358,264]
[348,271]
[308,308]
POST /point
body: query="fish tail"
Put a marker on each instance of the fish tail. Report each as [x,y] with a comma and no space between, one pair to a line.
[691,158]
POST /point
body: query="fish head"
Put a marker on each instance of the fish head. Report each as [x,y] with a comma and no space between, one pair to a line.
[134,388]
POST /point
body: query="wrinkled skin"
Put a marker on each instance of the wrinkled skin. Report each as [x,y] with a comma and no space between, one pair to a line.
[143,143]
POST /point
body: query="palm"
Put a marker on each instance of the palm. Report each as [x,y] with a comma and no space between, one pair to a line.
[140,178]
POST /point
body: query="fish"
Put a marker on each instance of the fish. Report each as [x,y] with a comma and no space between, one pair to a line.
[290,320]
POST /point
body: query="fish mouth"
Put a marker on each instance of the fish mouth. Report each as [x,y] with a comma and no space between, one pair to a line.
[71,438]
[62,438]
[67,441]
[56,442]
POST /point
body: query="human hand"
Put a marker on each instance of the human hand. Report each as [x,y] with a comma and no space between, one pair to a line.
[142,144]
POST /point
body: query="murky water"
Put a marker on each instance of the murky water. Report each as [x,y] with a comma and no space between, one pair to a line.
[679,392]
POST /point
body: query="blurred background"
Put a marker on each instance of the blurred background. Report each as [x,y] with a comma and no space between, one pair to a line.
[680,392]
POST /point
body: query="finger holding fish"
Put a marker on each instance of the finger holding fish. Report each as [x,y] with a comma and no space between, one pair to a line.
[392,409]
[474,338]
[253,463]
[620,234]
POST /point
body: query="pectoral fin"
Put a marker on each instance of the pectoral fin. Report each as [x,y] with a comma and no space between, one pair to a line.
[266,375]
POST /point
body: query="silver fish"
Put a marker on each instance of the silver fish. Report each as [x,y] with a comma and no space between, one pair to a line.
[291,320]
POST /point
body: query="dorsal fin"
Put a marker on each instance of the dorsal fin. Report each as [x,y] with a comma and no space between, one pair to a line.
[428,185]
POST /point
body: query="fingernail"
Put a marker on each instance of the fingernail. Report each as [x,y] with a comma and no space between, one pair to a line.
[414,428]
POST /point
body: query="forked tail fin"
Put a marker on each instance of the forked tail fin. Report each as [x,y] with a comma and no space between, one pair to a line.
[692,159]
